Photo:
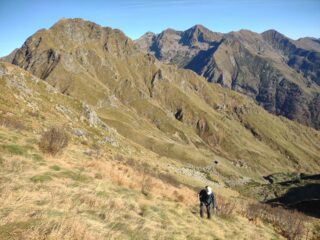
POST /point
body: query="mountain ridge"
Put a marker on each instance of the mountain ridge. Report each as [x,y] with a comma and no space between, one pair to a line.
[238,59]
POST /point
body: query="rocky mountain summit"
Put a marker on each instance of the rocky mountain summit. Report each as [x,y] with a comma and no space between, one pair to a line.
[280,74]
[178,47]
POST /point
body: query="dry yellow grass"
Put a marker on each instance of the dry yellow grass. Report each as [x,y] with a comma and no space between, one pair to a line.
[64,197]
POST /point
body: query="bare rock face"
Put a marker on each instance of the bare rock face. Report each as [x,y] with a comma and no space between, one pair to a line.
[280,74]
[91,115]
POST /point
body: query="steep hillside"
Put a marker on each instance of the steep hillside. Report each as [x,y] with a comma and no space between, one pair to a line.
[280,74]
[101,186]
[172,112]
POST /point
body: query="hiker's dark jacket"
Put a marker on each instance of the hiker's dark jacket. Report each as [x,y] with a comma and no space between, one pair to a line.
[205,198]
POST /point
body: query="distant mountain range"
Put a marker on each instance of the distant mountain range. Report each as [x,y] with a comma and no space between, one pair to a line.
[281,74]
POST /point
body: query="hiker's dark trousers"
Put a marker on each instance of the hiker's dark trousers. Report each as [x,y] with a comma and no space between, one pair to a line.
[208,207]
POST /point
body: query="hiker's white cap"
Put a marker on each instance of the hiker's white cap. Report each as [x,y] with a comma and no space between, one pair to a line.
[209,190]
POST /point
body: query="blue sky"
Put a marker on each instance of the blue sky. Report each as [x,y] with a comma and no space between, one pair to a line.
[295,18]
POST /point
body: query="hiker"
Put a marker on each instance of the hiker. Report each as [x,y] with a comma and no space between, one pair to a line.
[207,200]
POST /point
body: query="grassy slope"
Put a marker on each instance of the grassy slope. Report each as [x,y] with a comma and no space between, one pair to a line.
[83,194]
[92,199]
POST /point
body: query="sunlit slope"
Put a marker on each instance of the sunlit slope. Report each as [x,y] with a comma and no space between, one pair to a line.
[172,112]
[102,185]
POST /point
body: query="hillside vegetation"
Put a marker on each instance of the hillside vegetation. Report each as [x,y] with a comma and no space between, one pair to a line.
[101,141]
[95,188]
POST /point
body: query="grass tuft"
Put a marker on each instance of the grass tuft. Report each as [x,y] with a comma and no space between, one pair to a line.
[55,168]
[41,178]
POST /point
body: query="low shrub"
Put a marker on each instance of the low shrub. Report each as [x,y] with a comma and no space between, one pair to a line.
[53,141]
[290,224]
[170,179]
[179,197]
[225,208]
[146,184]
[118,157]
[10,122]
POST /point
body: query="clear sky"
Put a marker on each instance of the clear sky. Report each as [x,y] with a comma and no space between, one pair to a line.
[295,18]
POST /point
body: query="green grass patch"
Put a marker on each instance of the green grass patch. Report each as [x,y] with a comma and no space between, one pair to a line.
[41,178]
[55,168]
[102,194]
[13,149]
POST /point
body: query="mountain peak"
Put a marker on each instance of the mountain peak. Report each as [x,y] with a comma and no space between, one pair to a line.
[278,40]
[198,33]
[271,31]
[199,27]
[147,35]
[169,31]
[72,21]
[74,24]
[273,34]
